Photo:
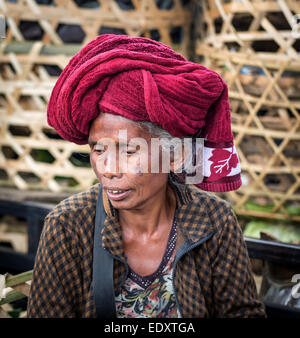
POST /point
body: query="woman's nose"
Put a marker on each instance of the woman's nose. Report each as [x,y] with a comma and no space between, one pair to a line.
[111,167]
[111,175]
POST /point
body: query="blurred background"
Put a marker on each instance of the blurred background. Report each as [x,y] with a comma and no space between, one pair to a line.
[253,44]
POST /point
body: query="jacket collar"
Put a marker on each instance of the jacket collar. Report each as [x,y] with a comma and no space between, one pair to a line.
[193,221]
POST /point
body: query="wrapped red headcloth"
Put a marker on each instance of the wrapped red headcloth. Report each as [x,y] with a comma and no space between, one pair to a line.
[145,80]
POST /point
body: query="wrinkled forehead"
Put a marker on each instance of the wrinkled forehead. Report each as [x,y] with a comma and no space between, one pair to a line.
[115,127]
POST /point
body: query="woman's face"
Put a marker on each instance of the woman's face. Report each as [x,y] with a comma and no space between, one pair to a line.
[129,187]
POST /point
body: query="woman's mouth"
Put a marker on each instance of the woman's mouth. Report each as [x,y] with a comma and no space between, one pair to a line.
[117,194]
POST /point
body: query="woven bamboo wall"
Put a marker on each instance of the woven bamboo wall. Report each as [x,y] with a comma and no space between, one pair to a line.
[250,43]
[32,156]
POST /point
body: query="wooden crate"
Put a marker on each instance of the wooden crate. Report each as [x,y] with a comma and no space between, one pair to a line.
[32,155]
[250,43]
[253,26]
[13,233]
[166,20]
[14,288]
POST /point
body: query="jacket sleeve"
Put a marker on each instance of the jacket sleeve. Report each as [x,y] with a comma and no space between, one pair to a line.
[234,288]
[52,291]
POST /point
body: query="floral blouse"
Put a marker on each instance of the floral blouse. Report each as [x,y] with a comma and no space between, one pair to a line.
[152,295]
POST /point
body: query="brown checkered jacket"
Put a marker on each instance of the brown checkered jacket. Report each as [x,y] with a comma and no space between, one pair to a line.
[212,277]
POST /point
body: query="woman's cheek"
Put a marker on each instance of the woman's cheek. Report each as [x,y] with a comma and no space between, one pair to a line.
[135,164]
[92,160]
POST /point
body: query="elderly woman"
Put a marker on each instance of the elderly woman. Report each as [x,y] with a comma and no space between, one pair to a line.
[170,249]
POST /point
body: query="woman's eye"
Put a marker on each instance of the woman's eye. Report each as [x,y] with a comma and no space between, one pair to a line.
[99,151]
[130,152]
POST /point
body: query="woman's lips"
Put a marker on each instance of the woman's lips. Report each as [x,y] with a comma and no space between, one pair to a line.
[117,195]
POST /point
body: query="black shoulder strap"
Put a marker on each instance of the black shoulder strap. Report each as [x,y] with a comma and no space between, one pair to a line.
[103,284]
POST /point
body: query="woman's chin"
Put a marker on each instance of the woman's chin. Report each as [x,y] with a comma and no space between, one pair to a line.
[124,203]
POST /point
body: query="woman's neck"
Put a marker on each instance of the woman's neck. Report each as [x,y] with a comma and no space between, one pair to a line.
[151,217]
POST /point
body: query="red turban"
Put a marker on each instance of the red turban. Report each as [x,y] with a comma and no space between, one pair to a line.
[145,80]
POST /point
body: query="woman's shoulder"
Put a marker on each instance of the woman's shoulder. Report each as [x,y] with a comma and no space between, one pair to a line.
[218,212]
[76,207]
[211,202]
